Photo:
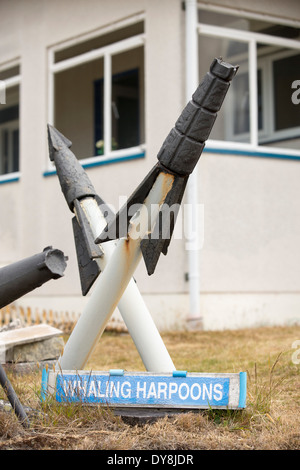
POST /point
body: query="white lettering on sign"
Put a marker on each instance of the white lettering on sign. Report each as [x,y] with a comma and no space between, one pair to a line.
[126,390]
[162,390]
[141,390]
[145,390]
[218,392]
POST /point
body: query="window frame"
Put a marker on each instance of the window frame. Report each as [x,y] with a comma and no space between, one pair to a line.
[10,82]
[99,115]
[106,52]
[267,134]
[10,127]
[266,64]
[252,39]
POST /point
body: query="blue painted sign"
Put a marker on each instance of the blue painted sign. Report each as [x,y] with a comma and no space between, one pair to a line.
[142,390]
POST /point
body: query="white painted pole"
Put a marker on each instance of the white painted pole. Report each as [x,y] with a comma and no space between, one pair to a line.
[194,319]
[116,286]
[107,103]
[253,93]
[132,307]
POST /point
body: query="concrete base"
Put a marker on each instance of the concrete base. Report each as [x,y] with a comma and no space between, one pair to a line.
[31,344]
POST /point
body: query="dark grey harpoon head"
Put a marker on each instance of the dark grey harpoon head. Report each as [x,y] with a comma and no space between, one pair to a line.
[76,185]
[178,155]
[74,181]
[17,279]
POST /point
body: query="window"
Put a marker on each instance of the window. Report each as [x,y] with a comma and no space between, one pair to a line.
[258,109]
[284,70]
[97,95]
[125,120]
[9,124]
[277,116]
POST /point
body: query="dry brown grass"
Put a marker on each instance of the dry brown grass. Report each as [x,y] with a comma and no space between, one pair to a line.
[270,421]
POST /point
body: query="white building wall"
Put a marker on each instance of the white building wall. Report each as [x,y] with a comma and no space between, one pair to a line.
[249,262]
[250,257]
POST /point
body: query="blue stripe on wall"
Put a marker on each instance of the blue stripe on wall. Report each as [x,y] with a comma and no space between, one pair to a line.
[246,153]
[252,153]
[103,162]
[9,180]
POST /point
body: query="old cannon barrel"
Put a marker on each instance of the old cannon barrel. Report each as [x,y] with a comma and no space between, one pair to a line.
[21,277]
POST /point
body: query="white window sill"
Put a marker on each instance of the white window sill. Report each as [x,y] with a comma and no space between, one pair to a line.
[238,148]
[116,156]
[10,177]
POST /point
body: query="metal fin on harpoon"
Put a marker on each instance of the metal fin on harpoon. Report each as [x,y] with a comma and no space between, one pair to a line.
[88,268]
[74,181]
[118,226]
[158,241]
[86,249]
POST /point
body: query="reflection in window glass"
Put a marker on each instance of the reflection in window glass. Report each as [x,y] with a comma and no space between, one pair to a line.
[128,99]
[125,109]
[79,104]
[285,71]
[127,103]
[255,25]
[233,119]
[9,132]
[277,68]
[241,104]
[241,109]
[74,105]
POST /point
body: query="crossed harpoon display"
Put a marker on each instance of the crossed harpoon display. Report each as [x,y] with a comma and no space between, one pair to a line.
[113,244]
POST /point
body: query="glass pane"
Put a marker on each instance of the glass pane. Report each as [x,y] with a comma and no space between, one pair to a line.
[100,41]
[9,73]
[240,98]
[15,150]
[5,150]
[281,123]
[127,99]
[232,123]
[78,106]
[277,69]
[260,109]
[9,132]
[98,111]
[285,71]
[247,24]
